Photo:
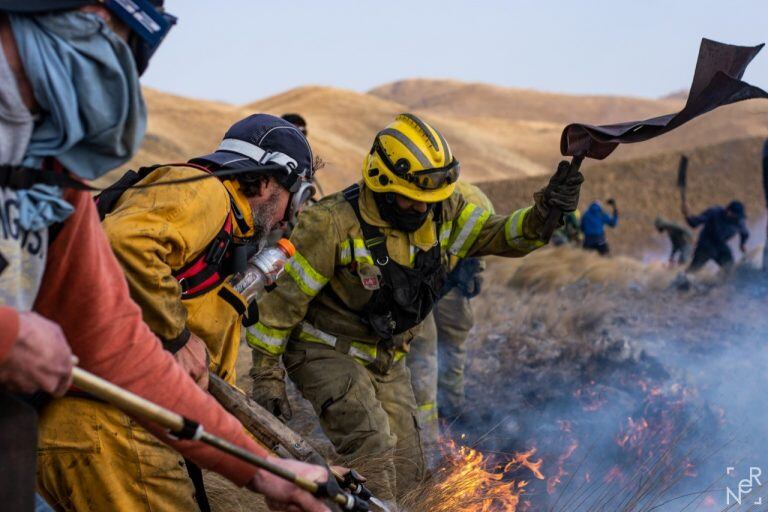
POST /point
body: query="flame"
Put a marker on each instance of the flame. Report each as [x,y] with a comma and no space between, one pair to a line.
[556,479]
[470,481]
[591,399]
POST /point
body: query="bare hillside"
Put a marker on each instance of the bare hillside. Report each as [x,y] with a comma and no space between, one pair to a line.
[469,100]
[531,121]
[496,133]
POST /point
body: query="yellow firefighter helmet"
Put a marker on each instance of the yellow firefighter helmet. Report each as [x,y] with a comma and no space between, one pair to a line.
[411,158]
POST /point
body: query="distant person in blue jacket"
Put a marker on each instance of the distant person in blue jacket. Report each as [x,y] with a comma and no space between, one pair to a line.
[593,224]
[720,225]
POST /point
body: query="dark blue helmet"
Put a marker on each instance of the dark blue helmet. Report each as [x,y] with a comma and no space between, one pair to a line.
[264,140]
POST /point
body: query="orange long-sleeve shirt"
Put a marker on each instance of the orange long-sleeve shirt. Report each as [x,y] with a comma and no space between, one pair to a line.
[85,292]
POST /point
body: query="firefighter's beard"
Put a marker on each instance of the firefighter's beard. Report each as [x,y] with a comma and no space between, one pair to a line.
[263,213]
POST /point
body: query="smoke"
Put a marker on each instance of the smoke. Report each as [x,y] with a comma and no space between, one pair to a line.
[636,395]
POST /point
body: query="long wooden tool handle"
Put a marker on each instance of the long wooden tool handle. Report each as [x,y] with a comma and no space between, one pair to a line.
[140,407]
[270,431]
[126,401]
[555,214]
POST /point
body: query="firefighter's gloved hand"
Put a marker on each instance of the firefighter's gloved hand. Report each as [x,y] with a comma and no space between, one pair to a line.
[561,192]
[269,385]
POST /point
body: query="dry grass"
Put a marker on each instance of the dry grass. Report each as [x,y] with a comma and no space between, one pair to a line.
[555,267]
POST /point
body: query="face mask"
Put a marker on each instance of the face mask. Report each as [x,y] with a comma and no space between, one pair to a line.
[84,78]
[408,221]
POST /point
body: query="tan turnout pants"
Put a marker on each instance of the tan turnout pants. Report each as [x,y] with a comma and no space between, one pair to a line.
[370,418]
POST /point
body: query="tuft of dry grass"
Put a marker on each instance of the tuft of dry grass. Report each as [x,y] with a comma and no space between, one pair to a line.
[554,267]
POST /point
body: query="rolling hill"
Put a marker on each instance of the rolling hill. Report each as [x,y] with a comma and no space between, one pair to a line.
[506,138]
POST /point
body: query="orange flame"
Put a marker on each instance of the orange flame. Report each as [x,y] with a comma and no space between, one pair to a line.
[556,479]
[472,482]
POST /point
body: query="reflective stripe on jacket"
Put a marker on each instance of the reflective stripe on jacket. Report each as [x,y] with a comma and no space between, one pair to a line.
[322,284]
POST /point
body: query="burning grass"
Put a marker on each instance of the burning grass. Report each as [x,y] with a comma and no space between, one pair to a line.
[472,481]
[634,395]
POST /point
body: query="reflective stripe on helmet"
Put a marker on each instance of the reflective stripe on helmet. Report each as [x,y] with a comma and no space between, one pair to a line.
[471,220]
[257,154]
[412,148]
[270,340]
[309,280]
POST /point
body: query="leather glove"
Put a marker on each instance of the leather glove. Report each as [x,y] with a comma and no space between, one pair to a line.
[561,192]
[269,385]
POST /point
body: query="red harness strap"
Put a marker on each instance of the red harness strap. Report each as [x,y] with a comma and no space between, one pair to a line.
[202,273]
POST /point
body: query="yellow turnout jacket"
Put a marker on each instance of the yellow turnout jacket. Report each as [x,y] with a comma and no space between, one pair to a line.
[156,231]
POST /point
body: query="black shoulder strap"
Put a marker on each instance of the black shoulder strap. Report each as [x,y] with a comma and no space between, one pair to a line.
[374,240]
[108,198]
[242,224]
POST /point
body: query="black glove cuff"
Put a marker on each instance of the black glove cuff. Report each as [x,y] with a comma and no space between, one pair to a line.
[177,343]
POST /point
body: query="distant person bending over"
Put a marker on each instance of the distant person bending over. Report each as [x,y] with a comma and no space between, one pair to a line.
[593,226]
[570,231]
[720,225]
[680,237]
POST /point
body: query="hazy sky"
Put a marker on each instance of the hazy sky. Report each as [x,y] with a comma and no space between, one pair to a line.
[242,50]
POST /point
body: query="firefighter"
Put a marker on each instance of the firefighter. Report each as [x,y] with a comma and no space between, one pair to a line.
[720,225]
[437,355]
[178,245]
[570,232]
[680,238]
[298,121]
[370,262]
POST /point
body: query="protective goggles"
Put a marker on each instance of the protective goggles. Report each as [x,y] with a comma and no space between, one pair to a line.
[149,25]
[427,179]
